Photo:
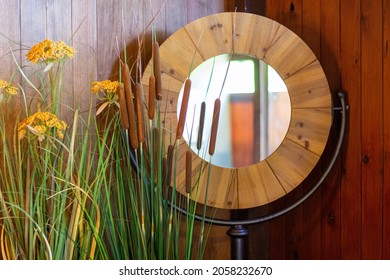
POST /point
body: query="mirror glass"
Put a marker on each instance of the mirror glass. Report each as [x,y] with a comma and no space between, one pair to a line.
[255,110]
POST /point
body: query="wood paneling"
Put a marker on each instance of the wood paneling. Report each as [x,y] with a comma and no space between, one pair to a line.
[372,127]
[351,40]
[386,129]
[350,195]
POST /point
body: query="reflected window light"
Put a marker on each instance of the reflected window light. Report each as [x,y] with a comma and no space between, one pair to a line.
[241,77]
[275,82]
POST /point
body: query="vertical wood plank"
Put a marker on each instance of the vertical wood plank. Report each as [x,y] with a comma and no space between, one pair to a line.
[311,243]
[330,190]
[311,21]
[292,15]
[196,9]
[386,132]
[351,180]
[176,18]
[276,227]
[274,10]
[10,37]
[292,19]
[33,21]
[33,30]
[230,5]
[84,40]
[59,27]
[372,125]
[108,33]
[217,6]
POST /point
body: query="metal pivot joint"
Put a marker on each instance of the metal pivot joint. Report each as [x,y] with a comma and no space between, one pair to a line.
[238,234]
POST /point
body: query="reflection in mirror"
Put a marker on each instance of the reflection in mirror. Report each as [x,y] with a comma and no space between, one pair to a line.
[255,110]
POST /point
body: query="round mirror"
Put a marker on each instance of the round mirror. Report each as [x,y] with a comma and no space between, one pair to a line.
[255,110]
[242,35]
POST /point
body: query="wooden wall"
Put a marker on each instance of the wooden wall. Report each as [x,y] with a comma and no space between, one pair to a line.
[348,217]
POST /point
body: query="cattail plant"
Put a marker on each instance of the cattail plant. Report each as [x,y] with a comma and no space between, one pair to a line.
[188,181]
[139,109]
[130,106]
[183,109]
[151,97]
[201,125]
[214,126]
[92,190]
[156,69]
[123,106]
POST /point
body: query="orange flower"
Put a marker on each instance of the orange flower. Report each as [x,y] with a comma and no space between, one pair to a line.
[49,51]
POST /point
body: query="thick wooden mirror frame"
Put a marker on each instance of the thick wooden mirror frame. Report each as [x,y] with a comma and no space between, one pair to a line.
[311,104]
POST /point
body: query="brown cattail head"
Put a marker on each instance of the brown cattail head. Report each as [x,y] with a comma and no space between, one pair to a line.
[130,106]
[152,92]
[122,106]
[156,69]
[140,116]
[188,171]
[214,126]
[183,109]
[201,125]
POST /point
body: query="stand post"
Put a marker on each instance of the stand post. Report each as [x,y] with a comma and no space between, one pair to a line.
[238,234]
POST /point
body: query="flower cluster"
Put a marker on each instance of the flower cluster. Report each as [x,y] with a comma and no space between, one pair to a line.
[41,124]
[106,90]
[106,86]
[7,89]
[49,51]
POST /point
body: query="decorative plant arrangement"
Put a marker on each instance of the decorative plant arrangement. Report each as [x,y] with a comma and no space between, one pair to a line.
[99,186]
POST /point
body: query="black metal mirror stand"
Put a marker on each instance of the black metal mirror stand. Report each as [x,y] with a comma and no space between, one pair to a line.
[238,234]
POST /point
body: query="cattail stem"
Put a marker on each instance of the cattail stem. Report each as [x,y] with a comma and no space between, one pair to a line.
[214,125]
[140,117]
[201,125]
[156,69]
[188,171]
[183,109]
[152,92]
[156,149]
[170,164]
[130,107]
[123,106]
[164,175]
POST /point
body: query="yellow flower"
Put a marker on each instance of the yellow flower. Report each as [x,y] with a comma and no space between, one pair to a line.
[41,124]
[7,88]
[106,91]
[106,86]
[49,51]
